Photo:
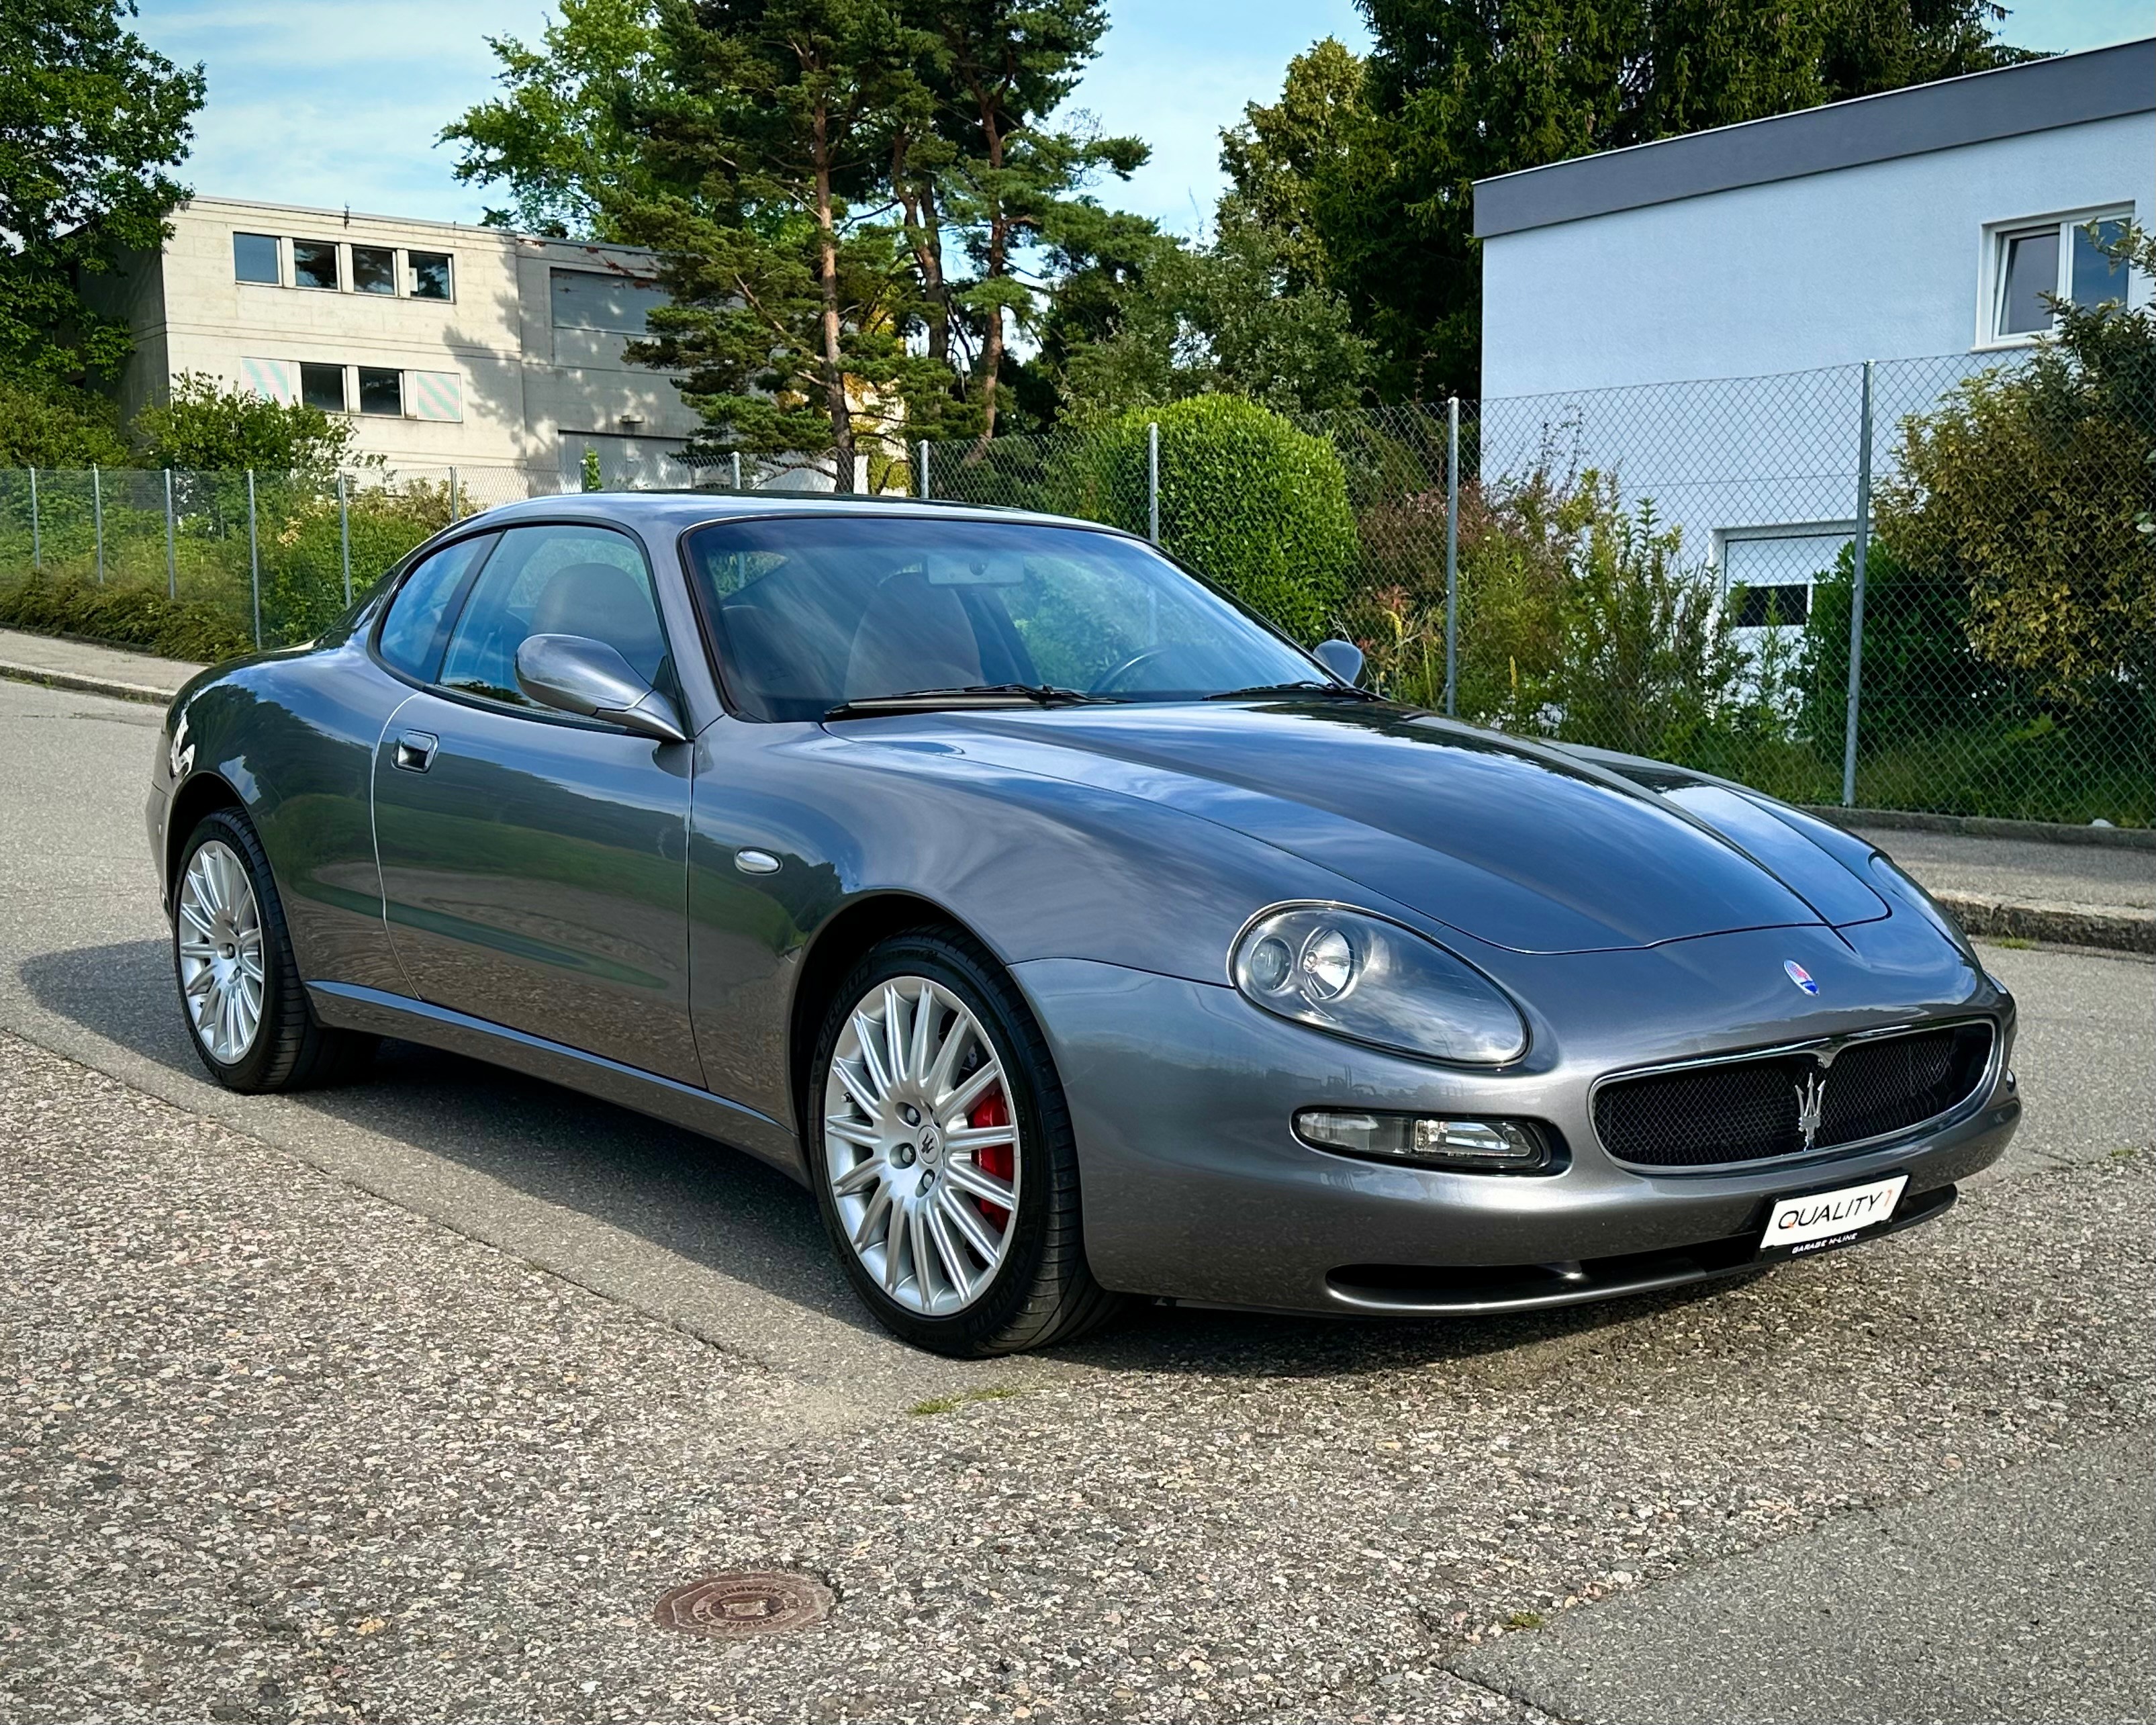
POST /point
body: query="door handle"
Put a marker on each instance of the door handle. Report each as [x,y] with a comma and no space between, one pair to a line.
[415,750]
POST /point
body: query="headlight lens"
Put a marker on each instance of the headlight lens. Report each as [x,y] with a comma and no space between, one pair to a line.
[1360,977]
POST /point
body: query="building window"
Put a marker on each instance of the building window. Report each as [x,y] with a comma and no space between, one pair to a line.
[315,264]
[2033,263]
[322,387]
[597,299]
[381,390]
[1771,571]
[430,276]
[254,258]
[374,269]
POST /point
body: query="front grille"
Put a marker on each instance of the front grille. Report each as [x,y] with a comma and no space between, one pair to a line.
[1750,1110]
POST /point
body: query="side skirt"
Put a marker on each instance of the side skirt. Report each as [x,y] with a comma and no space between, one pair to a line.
[348,1007]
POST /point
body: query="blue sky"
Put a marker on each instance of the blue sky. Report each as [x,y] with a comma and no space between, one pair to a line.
[334,102]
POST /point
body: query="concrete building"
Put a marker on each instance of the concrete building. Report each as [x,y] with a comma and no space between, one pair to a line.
[446,345]
[1695,312]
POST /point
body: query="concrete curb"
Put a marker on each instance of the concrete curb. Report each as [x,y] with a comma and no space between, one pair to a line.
[1982,826]
[2122,931]
[85,685]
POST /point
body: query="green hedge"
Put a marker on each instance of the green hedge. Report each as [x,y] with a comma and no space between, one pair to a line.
[138,617]
[1246,498]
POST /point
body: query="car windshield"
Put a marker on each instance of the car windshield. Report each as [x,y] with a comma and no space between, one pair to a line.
[815,612]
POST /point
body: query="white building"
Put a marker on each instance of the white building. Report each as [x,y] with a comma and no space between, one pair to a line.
[1917,229]
[447,345]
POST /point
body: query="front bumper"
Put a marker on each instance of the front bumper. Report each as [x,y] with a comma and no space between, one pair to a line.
[1195,1188]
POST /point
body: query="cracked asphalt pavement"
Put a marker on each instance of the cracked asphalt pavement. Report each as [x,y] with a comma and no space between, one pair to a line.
[408,1401]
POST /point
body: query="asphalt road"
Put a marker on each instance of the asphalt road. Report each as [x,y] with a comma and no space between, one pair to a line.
[407,1400]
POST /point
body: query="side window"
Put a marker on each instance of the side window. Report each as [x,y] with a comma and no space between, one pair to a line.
[555,581]
[411,637]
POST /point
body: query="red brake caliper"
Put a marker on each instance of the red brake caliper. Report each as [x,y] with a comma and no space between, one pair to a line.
[1000,1159]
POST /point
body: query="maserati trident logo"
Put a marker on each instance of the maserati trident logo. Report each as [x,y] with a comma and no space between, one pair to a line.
[1801,977]
[1811,1098]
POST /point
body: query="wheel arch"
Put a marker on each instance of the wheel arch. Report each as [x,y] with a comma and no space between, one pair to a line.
[832,951]
[200,795]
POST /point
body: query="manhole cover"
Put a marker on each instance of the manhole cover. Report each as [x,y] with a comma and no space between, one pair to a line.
[752,1602]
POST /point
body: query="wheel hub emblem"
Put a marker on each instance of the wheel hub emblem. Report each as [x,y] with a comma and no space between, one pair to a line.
[929,1144]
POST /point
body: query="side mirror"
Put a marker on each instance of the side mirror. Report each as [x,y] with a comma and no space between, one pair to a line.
[1343,658]
[575,673]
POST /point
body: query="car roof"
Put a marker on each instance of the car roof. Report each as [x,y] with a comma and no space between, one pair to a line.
[678,511]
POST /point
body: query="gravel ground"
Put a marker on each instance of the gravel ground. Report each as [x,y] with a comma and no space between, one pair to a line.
[278,1449]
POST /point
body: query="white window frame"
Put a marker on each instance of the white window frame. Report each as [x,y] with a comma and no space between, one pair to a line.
[288,274]
[1991,268]
[1724,537]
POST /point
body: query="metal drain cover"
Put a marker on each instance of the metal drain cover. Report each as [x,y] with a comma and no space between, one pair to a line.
[749,1602]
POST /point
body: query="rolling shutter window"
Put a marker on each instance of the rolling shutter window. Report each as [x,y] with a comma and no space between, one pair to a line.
[272,379]
[435,395]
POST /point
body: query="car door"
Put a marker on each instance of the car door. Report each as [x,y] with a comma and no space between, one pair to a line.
[534,863]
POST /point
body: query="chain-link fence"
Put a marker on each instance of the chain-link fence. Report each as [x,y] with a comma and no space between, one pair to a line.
[238,559]
[206,565]
[1678,571]
[1922,585]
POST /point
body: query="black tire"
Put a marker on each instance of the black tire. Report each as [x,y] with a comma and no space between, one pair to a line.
[290,1050]
[1043,1293]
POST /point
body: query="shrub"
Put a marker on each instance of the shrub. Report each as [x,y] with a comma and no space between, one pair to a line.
[1252,503]
[138,617]
[206,425]
[303,573]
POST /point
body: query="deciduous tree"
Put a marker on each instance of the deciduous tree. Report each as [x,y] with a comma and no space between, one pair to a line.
[90,119]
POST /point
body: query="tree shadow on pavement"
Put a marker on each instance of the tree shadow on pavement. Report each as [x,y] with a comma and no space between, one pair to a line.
[724,1210]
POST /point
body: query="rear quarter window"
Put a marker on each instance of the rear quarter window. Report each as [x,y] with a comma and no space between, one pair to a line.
[411,636]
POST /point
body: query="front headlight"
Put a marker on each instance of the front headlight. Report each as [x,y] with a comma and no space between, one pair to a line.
[1373,980]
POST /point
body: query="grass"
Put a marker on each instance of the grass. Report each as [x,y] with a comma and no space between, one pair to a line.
[951,1404]
[1525,1620]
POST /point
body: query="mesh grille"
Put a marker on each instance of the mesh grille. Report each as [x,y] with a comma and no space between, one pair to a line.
[1748,1111]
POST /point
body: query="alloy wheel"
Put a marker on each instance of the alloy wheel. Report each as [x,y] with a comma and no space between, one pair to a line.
[220,951]
[921,1146]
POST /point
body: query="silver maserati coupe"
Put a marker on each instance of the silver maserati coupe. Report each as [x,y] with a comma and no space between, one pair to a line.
[1074,937]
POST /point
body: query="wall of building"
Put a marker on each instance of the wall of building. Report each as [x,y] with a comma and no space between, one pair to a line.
[1882,261]
[1707,350]
[515,400]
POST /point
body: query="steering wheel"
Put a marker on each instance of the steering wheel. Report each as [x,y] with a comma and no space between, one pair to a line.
[1105,685]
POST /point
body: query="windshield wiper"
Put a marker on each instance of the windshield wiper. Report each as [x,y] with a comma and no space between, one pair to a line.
[971,696]
[1309,685]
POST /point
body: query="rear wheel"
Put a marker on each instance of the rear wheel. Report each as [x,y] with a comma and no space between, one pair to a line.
[240,992]
[944,1162]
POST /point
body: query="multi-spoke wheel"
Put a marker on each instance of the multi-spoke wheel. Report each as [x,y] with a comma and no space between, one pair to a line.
[947,1174]
[239,985]
[220,953]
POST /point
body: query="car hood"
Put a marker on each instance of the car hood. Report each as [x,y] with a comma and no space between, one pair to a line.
[1515,844]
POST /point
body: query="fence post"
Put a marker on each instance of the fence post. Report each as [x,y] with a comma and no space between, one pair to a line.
[37,543]
[171,547]
[737,483]
[1152,481]
[1451,557]
[344,536]
[97,516]
[453,497]
[253,562]
[923,447]
[1856,591]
